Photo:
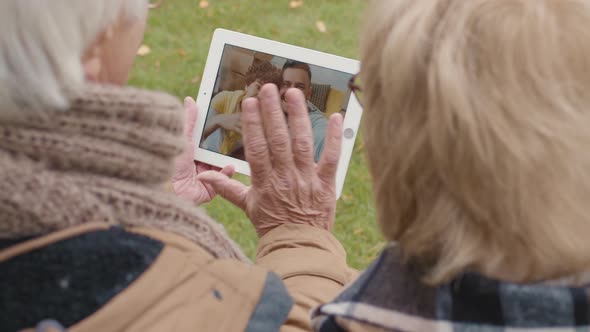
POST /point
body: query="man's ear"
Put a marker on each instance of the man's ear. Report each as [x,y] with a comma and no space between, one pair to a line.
[310,92]
[93,59]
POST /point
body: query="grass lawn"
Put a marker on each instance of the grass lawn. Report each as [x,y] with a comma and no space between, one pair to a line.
[179,34]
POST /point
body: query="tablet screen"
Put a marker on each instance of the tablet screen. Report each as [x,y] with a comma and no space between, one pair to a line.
[241,74]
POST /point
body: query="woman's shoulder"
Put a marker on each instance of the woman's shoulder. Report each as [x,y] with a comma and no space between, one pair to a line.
[70,274]
[391,295]
[88,277]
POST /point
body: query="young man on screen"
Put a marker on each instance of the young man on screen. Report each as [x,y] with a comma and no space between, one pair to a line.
[298,75]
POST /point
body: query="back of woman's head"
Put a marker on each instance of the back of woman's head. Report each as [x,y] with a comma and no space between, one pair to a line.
[477,129]
[42,44]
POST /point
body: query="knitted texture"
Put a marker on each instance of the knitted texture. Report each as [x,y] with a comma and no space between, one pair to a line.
[104,159]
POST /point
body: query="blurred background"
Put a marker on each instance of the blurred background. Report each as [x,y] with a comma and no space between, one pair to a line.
[173,56]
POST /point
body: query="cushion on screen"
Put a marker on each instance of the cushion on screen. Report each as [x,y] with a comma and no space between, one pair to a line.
[319,95]
[334,103]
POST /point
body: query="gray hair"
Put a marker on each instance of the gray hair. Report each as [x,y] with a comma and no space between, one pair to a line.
[42,43]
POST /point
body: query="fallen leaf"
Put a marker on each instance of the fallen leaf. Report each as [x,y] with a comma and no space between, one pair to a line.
[155,5]
[204,4]
[144,50]
[321,26]
[182,52]
[295,4]
[360,146]
[358,231]
[196,79]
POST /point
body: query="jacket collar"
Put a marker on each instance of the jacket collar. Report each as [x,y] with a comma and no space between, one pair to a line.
[390,295]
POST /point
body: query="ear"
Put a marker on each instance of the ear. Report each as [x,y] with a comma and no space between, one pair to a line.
[310,92]
[93,59]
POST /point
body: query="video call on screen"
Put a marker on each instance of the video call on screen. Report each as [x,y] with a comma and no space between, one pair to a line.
[241,74]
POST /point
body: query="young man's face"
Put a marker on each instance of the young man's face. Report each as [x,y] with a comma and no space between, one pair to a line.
[296,78]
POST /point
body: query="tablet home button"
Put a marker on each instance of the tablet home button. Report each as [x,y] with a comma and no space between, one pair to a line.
[348,133]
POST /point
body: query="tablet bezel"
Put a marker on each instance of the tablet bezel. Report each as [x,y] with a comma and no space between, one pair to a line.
[221,38]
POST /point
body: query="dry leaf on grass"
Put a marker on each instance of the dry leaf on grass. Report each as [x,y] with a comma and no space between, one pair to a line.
[144,50]
[182,52]
[196,79]
[156,4]
[321,26]
[204,4]
[295,4]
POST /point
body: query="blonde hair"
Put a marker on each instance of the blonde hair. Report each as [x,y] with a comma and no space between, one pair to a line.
[42,43]
[477,130]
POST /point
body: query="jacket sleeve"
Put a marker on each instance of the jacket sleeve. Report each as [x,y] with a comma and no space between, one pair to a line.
[312,264]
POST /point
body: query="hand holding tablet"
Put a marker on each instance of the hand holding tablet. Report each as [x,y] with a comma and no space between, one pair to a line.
[184,182]
[239,65]
[282,167]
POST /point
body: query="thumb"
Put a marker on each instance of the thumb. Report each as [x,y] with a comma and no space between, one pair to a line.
[232,190]
[190,117]
[228,170]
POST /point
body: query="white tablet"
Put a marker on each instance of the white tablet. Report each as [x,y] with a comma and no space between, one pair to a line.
[238,64]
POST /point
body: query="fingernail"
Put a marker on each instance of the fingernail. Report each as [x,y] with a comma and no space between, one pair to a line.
[268,89]
[187,101]
[336,121]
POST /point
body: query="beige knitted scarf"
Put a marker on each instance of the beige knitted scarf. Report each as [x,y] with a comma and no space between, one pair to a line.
[104,159]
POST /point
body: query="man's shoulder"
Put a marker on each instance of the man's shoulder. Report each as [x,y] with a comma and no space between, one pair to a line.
[366,297]
[315,114]
[312,108]
[142,272]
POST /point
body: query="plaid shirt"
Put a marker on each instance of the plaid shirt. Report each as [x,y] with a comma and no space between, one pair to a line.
[390,297]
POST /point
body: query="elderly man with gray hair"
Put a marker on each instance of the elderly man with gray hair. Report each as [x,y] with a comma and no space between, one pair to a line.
[89,238]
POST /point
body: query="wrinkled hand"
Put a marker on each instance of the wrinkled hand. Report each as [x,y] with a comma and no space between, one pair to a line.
[287,186]
[185,182]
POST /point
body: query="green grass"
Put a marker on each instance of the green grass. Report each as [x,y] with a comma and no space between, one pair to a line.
[179,34]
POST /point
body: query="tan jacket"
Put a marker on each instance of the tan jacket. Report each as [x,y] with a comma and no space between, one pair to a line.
[186,289]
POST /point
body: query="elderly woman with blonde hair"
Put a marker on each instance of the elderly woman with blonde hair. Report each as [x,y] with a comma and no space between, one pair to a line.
[89,238]
[477,117]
